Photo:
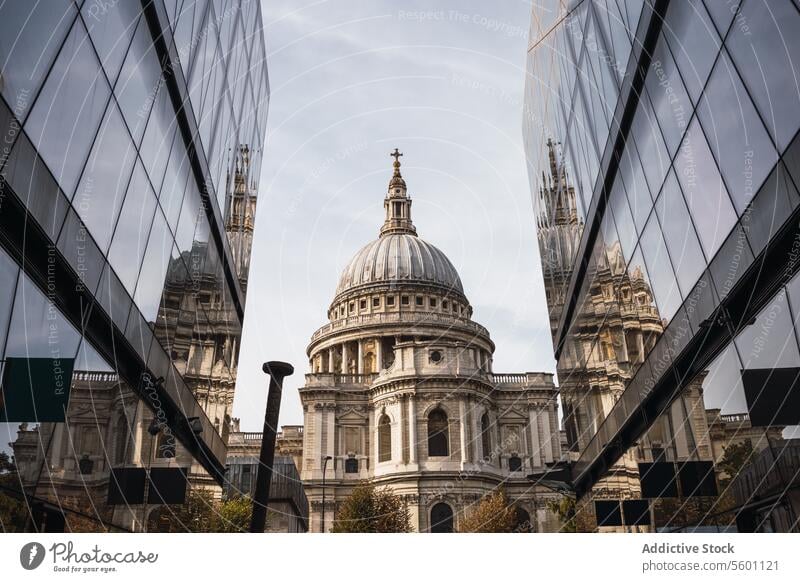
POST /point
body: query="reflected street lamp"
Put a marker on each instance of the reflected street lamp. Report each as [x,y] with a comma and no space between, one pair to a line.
[325,460]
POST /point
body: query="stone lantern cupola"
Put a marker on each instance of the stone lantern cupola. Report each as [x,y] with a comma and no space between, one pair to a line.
[397,204]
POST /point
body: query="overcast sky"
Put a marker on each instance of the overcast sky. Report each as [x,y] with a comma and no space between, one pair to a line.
[350,81]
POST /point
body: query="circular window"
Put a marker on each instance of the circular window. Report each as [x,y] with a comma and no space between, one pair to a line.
[436,356]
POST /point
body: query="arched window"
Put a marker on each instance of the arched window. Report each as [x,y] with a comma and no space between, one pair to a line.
[438,445]
[384,439]
[514,463]
[441,518]
[486,437]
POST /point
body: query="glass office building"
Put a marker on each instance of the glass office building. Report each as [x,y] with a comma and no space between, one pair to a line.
[664,160]
[131,148]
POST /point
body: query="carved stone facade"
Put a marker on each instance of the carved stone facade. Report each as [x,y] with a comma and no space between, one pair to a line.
[402,392]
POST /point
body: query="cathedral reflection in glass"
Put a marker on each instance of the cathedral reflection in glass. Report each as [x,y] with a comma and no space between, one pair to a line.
[131,149]
[664,160]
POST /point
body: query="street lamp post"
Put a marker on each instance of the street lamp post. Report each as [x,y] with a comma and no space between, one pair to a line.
[277,372]
[324,472]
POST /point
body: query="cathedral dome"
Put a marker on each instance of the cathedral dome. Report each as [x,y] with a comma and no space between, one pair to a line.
[400,258]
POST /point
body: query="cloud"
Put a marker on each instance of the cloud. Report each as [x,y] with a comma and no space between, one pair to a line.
[351,81]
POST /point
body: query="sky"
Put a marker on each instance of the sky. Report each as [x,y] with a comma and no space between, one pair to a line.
[350,81]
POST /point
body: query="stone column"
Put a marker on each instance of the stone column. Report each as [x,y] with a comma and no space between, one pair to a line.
[477,448]
[412,428]
[526,452]
[498,438]
[640,346]
[331,442]
[537,452]
[379,355]
[548,435]
[344,357]
[462,418]
[360,367]
[331,360]
[372,428]
[56,460]
[318,428]
[138,445]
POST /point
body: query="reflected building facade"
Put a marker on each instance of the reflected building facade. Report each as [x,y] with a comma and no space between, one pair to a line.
[664,173]
[129,178]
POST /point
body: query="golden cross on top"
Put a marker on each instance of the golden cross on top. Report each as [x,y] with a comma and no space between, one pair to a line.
[396,155]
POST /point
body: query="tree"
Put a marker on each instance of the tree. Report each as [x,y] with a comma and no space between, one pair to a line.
[234,514]
[565,508]
[13,511]
[737,456]
[492,514]
[202,513]
[7,463]
[371,510]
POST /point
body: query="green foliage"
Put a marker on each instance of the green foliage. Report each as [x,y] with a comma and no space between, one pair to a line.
[13,512]
[202,513]
[371,510]
[564,508]
[737,456]
[492,514]
[234,514]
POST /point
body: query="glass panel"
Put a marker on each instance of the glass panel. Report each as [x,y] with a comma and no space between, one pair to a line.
[735,133]
[764,51]
[668,94]
[111,30]
[154,268]
[175,180]
[8,282]
[663,281]
[38,329]
[679,234]
[105,178]
[623,218]
[80,250]
[113,298]
[722,13]
[706,197]
[133,227]
[159,137]
[30,36]
[635,186]
[619,44]
[188,31]
[652,151]
[694,42]
[67,113]
[32,181]
[770,208]
[139,81]
[770,342]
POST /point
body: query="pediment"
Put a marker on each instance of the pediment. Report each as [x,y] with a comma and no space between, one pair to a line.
[513,414]
[351,415]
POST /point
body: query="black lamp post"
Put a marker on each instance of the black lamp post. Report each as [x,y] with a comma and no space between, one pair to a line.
[277,372]
[324,472]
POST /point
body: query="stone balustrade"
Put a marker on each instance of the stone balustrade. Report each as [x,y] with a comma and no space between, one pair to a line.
[358,321]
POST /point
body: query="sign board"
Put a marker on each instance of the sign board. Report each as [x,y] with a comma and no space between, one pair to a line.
[35,389]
